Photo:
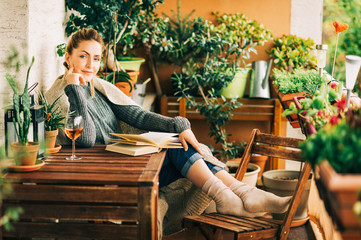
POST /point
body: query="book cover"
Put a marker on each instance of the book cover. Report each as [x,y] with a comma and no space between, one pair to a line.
[131,150]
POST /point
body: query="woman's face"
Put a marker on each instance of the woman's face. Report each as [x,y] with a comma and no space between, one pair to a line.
[85,59]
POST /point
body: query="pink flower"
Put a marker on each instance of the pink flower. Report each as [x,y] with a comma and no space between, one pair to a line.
[334,120]
[334,85]
[341,104]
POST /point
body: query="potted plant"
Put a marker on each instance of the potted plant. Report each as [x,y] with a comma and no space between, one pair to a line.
[244,35]
[216,109]
[334,152]
[314,111]
[300,82]
[283,183]
[24,152]
[54,120]
[290,52]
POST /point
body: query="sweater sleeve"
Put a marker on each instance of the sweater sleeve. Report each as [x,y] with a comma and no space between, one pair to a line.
[137,117]
[77,100]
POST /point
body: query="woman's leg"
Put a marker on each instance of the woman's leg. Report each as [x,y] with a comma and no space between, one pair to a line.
[190,164]
[254,199]
[216,182]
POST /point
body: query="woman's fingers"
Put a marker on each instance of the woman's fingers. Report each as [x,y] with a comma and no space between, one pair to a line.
[186,137]
[82,80]
[184,143]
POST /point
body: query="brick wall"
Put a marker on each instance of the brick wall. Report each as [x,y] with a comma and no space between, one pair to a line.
[35,27]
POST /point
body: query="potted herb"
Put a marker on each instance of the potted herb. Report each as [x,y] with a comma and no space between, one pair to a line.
[24,152]
[54,120]
[314,111]
[300,82]
[244,34]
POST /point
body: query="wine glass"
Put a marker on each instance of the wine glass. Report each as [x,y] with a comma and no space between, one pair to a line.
[73,129]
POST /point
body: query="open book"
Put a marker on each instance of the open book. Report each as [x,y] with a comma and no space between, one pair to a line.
[139,144]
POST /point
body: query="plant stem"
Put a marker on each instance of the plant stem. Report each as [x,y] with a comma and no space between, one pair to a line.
[334,58]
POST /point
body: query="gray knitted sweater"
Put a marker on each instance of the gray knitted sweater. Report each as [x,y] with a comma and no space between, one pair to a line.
[100,116]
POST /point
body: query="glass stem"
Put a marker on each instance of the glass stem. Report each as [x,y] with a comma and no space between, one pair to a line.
[73,149]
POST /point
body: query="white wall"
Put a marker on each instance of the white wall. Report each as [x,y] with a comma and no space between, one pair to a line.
[306,19]
[35,27]
[46,31]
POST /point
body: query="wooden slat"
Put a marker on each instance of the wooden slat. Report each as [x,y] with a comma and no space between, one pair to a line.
[261,234]
[146,214]
[110,194]
[244,222]
[251,109]
[277,152]
[41,210]
[276,140]
[73,230]
[75,178]
[302,181]
[217,223]
[93,168]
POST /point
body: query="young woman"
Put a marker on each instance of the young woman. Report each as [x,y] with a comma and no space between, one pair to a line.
[101,105]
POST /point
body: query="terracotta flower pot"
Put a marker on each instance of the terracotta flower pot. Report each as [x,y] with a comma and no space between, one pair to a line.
[125,87]
[50,138]
[260,161]
[25,155]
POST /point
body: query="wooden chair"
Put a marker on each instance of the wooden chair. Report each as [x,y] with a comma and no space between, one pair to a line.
[212,225]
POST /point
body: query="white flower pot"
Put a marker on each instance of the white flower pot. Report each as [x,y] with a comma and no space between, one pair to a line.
[280,183]
[250,178]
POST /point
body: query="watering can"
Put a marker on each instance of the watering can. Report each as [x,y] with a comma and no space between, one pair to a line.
[259,84]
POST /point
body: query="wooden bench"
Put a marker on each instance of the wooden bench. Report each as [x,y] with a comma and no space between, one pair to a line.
[82,198]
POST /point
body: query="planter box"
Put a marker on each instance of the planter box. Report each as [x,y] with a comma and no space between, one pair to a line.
[306,127]
[286,100]
[339,193]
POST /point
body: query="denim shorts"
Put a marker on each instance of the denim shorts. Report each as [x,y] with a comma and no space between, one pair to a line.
[177,163]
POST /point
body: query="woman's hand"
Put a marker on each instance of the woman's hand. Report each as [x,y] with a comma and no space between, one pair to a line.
[74,78]
[186,137]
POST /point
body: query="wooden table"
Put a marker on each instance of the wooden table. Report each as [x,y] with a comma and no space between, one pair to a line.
[78,199]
